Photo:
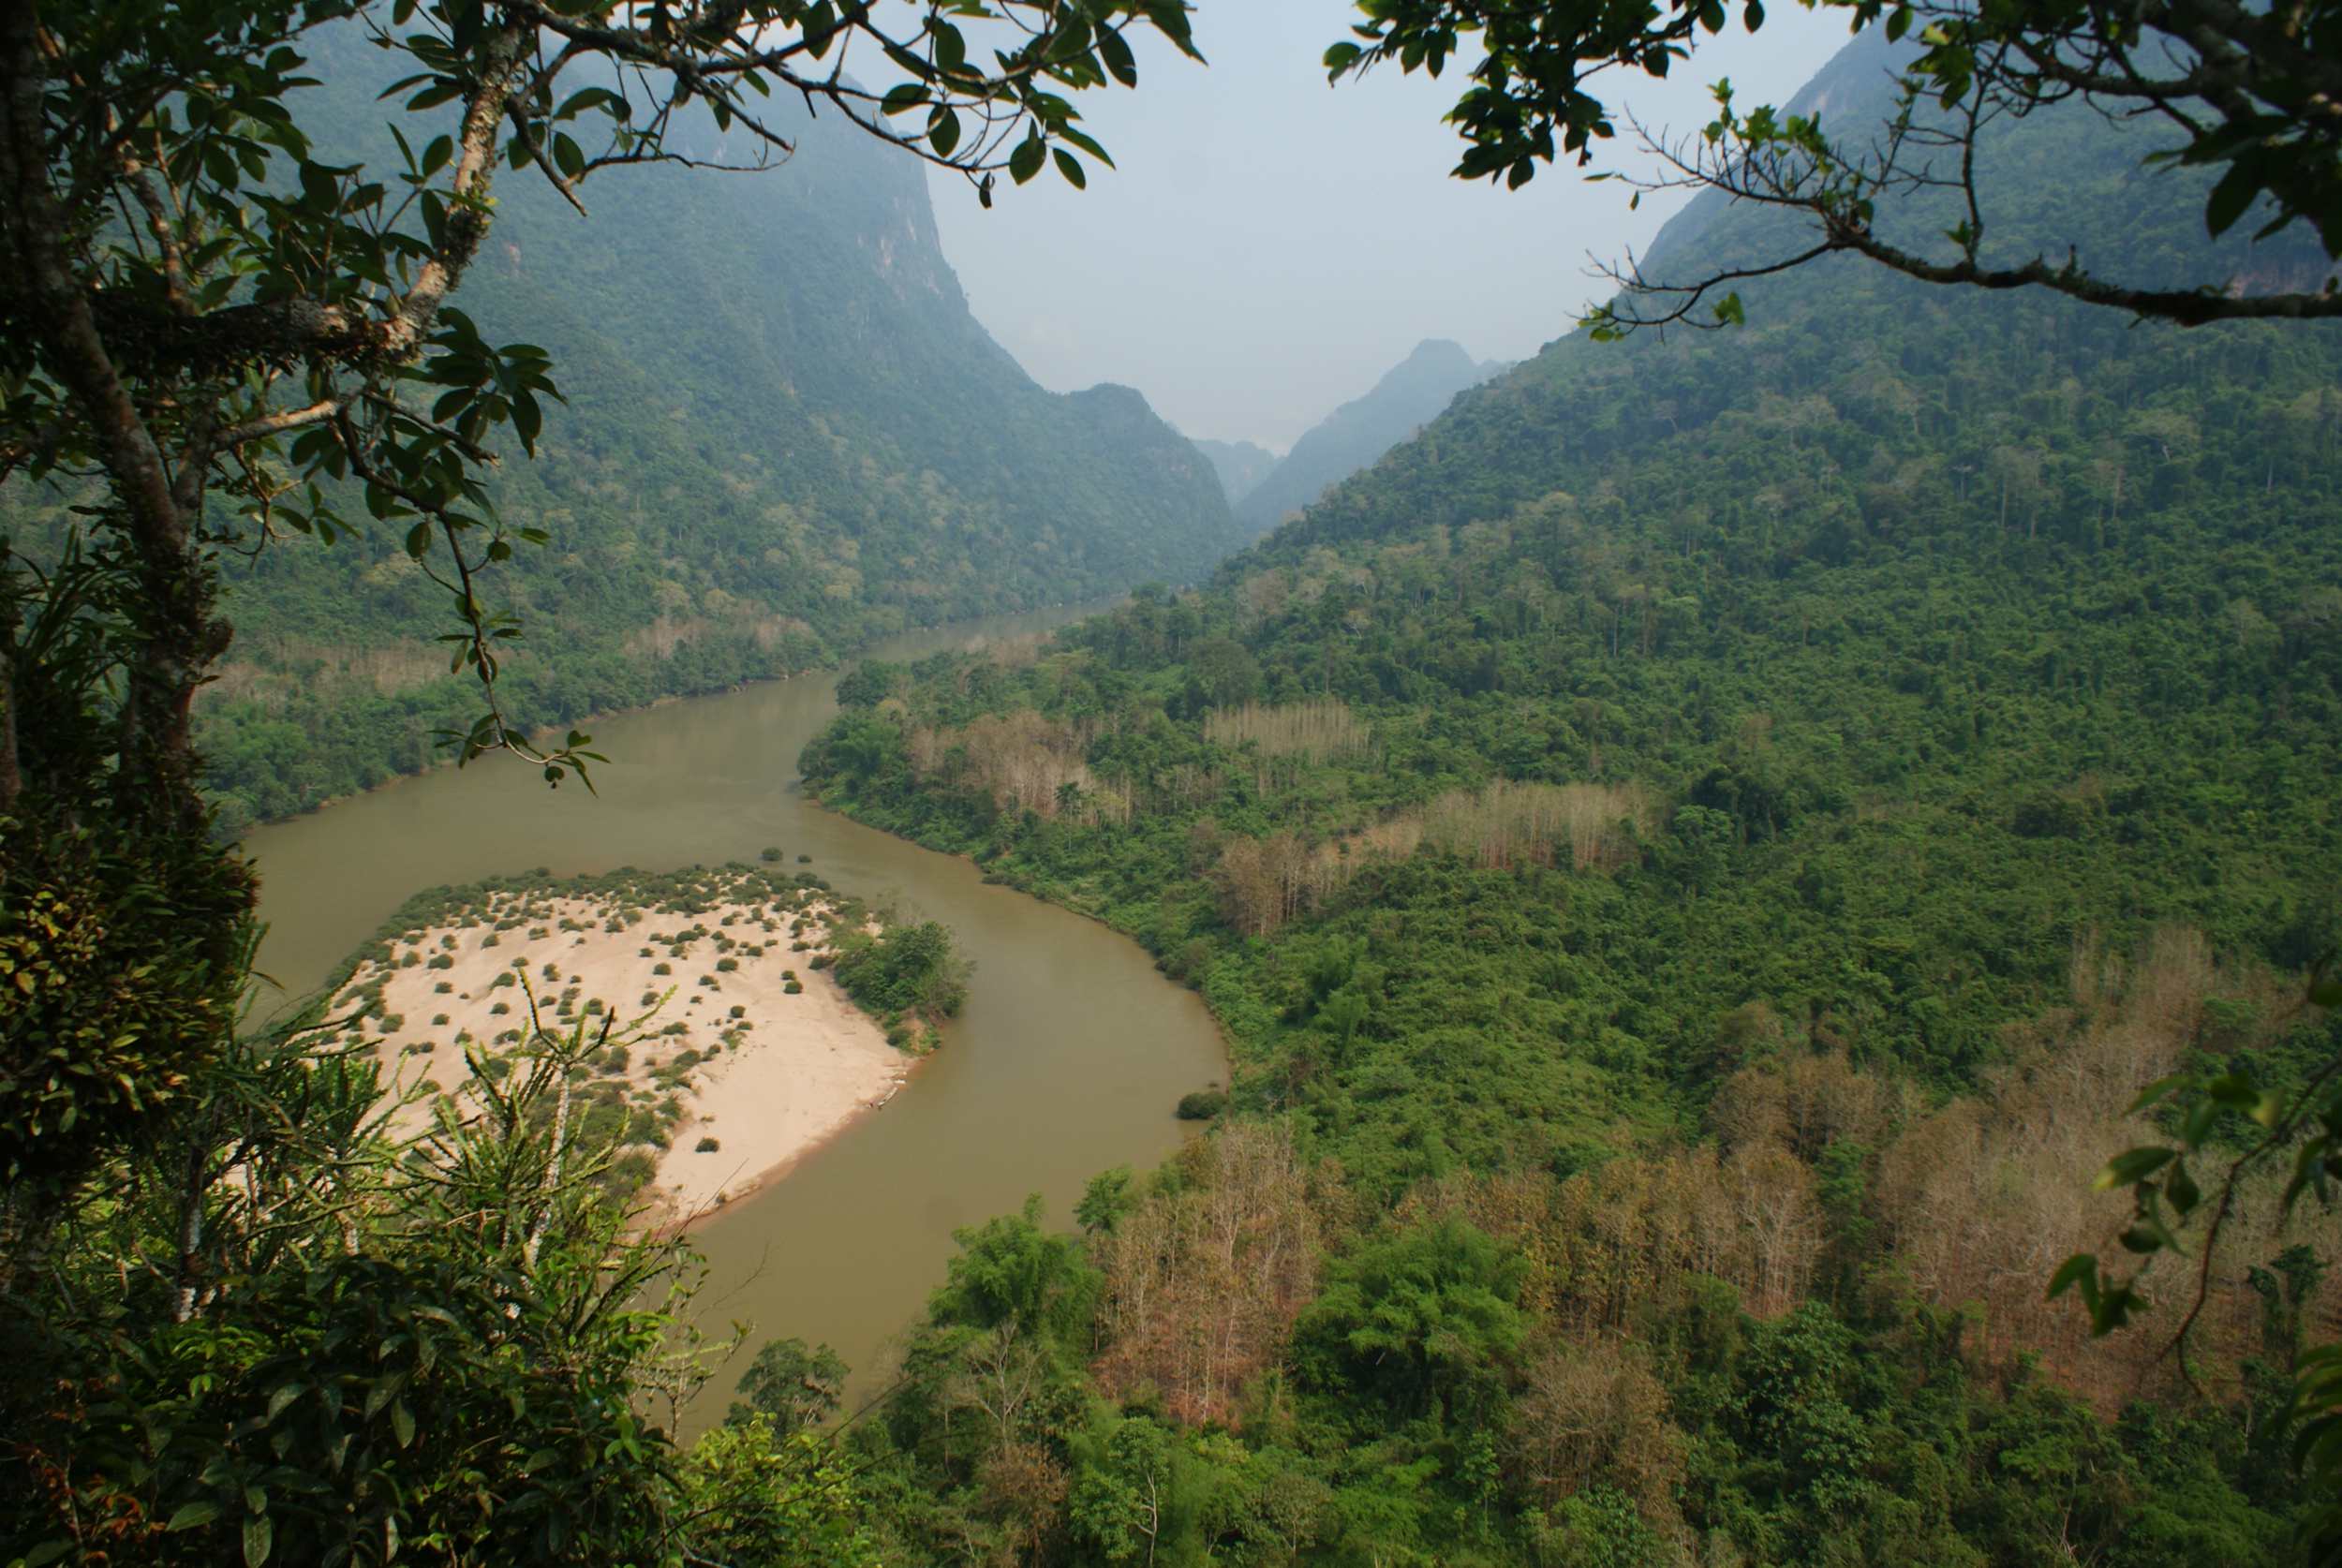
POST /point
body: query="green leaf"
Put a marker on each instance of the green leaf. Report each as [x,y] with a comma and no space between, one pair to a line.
[2181,1188]
[258,1537]
[1070,166]
[2233,196]
[2132,1165]
[1024,162]
[402,1423]
[944,130]
[419,540]
[193,1515]
[1117,55]
[2081,1269]
[2156,1091]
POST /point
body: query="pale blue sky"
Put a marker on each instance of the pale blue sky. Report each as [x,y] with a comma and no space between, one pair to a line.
[1270,245]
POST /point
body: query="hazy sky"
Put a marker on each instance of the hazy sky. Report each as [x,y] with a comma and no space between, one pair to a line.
[1269,245]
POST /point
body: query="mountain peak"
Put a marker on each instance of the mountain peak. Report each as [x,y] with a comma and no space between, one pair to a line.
[1410,394]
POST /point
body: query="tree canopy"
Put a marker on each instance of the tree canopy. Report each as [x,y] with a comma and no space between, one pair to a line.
[2244,92]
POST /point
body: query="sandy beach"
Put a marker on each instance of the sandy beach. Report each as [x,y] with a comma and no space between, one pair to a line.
[742,1056]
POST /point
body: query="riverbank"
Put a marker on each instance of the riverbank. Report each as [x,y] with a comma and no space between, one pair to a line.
[236,820]
[718,1047]
[1066,1059]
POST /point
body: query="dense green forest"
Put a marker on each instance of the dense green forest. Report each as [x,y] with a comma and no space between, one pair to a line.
[1410,395]
[786,435]
[1695,853]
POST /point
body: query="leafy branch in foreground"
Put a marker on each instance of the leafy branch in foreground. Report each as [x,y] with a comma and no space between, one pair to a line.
[212,337]
[200,310]
[2249,93]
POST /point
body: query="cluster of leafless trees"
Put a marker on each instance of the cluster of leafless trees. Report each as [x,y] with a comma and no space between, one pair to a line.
[1284,736]
[1979,1199]
[1025,762]
[1265,883]
[1204,1280]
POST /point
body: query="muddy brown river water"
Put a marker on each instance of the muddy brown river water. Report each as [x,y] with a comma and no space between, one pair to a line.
[1068,1058]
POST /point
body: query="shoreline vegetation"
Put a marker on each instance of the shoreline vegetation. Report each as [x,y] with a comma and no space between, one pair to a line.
[230,826]
[796,1009]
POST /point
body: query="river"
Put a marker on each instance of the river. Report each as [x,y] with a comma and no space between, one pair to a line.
[1068,1058]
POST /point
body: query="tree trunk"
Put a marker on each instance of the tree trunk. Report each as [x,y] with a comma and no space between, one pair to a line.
[176,636]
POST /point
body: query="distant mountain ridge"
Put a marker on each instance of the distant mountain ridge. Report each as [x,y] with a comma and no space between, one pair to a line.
[1354,436]
[1240,464]
[785,434]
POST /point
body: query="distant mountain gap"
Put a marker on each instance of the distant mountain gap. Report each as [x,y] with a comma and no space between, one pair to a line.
[1354,436]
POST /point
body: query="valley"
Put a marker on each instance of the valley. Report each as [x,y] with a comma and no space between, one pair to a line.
[655,908]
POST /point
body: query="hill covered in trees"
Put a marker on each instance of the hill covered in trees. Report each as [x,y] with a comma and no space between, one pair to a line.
[1410,395]
[787,434]
[1696,853]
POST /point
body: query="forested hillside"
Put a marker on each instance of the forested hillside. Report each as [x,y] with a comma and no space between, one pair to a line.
[1695,854]
[787,436]
[1410,394]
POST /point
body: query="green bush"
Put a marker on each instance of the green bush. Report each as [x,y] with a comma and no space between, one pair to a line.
[1202,1104]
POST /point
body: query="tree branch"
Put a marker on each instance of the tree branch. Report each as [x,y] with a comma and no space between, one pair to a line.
[177,637]
[2189,307]
[275,424]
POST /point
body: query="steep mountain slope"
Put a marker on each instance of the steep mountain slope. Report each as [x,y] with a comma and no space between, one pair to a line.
[785,434]
[1695,852]
[1353,436]
[1240,465]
